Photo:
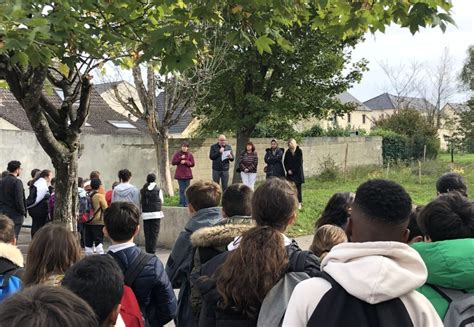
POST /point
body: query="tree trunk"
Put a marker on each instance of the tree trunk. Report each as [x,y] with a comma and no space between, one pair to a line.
[163,162]
[243,136]
[66,190]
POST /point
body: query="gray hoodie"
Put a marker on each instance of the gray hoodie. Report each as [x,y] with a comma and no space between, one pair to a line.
[126,192]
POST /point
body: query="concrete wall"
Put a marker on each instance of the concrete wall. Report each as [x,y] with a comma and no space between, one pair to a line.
[110,153]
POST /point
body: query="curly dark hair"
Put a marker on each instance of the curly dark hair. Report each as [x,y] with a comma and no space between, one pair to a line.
[449,216]
[451,182]
[384,201]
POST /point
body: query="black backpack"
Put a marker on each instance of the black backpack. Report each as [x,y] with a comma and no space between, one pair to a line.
[339,308]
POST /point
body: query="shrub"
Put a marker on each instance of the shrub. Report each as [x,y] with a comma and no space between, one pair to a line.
[329,171]
[394,146]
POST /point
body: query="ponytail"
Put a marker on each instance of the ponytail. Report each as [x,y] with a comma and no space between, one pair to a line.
[251,270]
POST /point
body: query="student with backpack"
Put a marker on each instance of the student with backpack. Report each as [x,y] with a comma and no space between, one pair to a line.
[11,259]
[373,280]
[448,225]
[152,199]
[93,234]
[98,280]
[144,272]
[234,284]
[203,199]
[37,201]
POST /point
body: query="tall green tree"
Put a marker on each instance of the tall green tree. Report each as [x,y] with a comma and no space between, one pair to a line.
[466,117]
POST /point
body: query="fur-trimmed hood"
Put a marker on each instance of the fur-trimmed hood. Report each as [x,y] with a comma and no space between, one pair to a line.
[217,236]
[11,253]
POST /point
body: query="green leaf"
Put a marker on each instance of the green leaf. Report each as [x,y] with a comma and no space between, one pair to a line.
[284,44]
[263,44]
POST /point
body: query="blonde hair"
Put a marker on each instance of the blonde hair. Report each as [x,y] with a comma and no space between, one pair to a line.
[292,144]
[325,238]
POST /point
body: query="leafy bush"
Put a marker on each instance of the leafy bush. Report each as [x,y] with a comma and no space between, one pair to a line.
[335,131]
[314,131]
[329,169]
[276,128]
[417,130]
[394,146]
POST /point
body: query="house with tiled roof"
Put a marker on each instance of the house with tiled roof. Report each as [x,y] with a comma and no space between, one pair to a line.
[386,104]
[102,119]
[359,118]
[182,129]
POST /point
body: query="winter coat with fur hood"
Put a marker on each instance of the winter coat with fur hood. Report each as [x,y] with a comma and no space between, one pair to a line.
[372,272]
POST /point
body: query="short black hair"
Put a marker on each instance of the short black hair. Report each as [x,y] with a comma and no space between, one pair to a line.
[383,201]
[451,182]
[449,216]
[80,182]
[46,306]
[95,183]
[237,200]
[121,220]
[98,280]
[151,178]
[124,175]
[13,165]
[413,226]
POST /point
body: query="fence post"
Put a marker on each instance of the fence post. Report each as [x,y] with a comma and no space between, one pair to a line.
[388,169]
[424,153]
[419,171]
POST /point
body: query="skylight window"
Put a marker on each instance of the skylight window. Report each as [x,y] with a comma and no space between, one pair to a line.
[123,124]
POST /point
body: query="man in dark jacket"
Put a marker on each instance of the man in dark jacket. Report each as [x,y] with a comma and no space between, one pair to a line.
[274,160]
[152,286]
[203,200]
[221,154]
[12,196]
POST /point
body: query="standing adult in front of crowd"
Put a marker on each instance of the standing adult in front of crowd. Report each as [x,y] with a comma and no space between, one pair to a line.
[38,200]
[221,154]
[12,196]
[125,191]
[274,160]
[294,167]
[184,161]
[152,200]
[248,165]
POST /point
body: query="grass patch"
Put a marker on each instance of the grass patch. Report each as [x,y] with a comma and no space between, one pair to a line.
[316,193]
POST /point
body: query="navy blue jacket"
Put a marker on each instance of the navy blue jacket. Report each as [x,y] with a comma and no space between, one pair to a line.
[152,288]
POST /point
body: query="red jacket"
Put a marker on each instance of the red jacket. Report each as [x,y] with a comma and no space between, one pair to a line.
[183,170]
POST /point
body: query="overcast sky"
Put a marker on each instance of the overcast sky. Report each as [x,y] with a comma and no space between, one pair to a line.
[398,45]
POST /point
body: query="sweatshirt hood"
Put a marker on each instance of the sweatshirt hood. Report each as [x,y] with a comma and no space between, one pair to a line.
[151,186]
[450,263]
[12,253]
[204,218]
[81,192]
[375,272]
[124,189]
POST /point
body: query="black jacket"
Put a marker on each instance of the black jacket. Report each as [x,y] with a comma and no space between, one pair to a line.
[41,209]
[152,288]
[274,162]
[12,198]
[216,157]
[150,199]
[211,315]
[294,162]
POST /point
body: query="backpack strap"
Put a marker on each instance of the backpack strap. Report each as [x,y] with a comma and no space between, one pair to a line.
[136,268]
[449,294]
[298,260]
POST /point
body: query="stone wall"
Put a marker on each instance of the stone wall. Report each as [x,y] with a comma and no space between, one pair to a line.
[110,153]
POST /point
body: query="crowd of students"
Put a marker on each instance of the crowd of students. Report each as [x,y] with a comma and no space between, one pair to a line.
[375,260]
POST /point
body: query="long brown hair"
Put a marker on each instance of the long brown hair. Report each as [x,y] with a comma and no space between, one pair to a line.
[52,251]
[251,270]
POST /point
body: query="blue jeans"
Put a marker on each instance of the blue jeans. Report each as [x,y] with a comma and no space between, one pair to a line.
[183,185]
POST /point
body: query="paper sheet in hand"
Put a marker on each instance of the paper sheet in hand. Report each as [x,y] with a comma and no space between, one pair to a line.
[225,155]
